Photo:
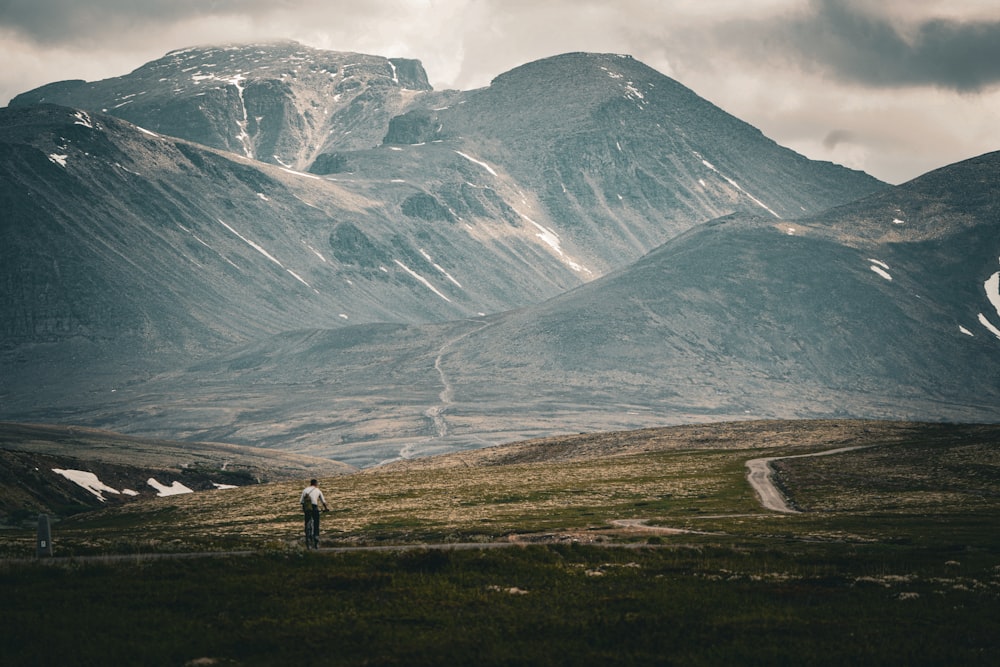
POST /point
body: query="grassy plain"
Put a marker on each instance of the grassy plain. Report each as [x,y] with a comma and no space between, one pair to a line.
[646,547]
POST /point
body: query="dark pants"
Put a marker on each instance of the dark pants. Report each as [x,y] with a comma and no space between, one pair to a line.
[312,516]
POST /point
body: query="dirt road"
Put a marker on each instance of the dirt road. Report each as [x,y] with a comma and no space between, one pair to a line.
[760,474]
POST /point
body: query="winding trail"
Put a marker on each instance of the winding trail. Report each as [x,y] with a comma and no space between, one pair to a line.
[447,395]
[760,474]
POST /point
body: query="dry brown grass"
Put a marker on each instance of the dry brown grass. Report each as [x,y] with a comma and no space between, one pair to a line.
[945,470]
[683,477]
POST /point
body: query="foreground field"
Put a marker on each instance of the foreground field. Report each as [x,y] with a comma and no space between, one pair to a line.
[645,547]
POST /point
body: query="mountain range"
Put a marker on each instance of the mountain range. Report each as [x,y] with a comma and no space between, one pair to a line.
[285,247]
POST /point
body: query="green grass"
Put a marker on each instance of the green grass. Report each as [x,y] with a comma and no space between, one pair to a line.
[541,605]
[895,562]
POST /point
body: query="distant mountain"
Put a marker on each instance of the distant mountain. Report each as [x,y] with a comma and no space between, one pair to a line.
[598,154]
[127,252]
[281,102]
[246,203]
[623,158]
[887,308]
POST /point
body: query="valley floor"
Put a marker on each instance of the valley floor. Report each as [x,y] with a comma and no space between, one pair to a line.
[647,547]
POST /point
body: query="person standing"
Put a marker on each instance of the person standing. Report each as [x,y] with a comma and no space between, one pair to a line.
[311,498]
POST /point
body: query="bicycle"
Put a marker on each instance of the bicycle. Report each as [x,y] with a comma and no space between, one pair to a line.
[312,539]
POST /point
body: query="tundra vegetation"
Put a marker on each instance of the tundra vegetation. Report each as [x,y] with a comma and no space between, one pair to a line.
[641,547]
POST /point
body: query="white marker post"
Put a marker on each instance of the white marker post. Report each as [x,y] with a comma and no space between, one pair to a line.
[44,537]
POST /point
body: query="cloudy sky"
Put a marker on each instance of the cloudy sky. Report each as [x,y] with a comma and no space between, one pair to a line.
[894,87]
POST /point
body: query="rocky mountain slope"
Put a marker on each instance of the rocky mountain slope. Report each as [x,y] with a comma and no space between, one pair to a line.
[623,157]
[314,251]
[129,252]
[126,250]
[886,308]
[281,103]
[598,154]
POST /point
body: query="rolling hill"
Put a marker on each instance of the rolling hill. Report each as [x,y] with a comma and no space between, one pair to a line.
[65,470]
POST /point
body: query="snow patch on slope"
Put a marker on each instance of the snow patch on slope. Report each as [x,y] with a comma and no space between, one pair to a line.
[174,489]
[736,185]
[479,162]
[419,278]
[264,252]
[88,481]
[439,268]
[83,119]
[244,138]
[251,244]
[551,239]
[989,325]
[880,268]
[992,287]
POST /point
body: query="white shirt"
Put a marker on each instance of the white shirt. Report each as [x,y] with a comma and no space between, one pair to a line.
[314,494]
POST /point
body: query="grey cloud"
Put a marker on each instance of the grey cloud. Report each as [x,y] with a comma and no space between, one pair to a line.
[836,137]
[73,22]
[857,45]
